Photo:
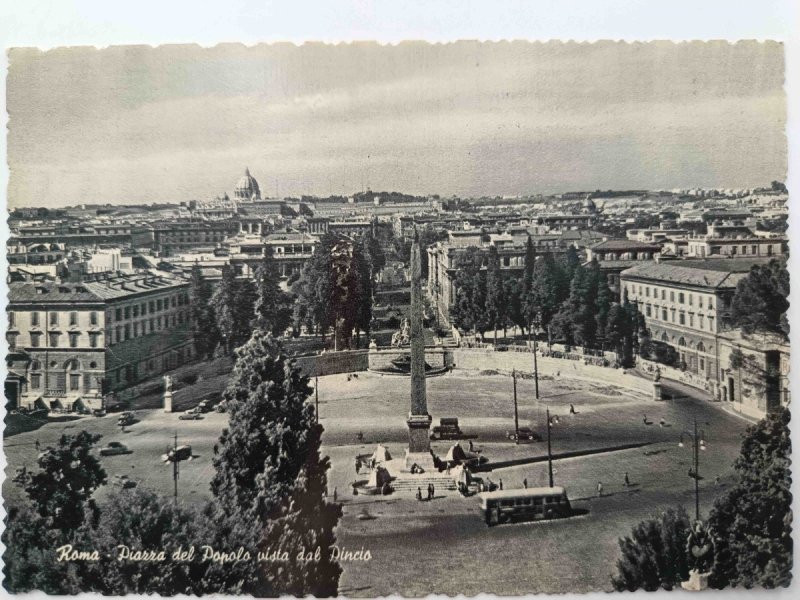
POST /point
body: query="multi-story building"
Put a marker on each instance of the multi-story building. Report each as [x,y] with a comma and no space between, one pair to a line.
[735,241]
[614,256]
[686,305]
[168,237]
[74,342]
[290,251]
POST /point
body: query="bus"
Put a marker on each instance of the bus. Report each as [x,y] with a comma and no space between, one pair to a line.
[532,504]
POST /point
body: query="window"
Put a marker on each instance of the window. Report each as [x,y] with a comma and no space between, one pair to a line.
[73,340]
[127,332]
[93,339]
[702,364]
[118,314]
[36,339]
[682,318]
[152,325]
[144,308]
[11,338]
[93,318]
[53,318]
[754,249]
[54,339]
[672,296]
[690,299]
[127,312]
[647,310]
[664,314]
[647,291]
[158,323]
[74,382]
[663,294]
[733,250]
[35,319]
[12,319]
[36,381]
[135,310]
[680,298]
[769,250]
[119,335]
[135,330]
[152,305]
[711,323]
[691,320]
[73,318]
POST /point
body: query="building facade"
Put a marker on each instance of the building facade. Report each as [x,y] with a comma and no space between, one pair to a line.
[76,342]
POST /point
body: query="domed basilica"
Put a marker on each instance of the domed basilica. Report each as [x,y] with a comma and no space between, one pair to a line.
[247,188]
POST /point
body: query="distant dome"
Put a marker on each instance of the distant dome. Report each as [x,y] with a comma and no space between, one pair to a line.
[588,203]
[247,188]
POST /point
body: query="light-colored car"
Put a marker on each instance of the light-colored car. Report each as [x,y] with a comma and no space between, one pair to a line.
[190,415]
[114,448]
[526,434]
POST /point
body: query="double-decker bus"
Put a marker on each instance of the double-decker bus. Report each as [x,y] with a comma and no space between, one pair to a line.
[532,504]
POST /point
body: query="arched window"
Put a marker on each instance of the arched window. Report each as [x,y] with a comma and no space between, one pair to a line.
[681,342]
[72,365]
[701,347]
[664,337]
[36,365]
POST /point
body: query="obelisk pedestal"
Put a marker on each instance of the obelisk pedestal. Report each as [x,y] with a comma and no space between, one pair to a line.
[419,421]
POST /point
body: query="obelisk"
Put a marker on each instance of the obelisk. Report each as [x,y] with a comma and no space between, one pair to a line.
[419,421]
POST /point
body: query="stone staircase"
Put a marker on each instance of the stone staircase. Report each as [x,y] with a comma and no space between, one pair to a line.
[410,483]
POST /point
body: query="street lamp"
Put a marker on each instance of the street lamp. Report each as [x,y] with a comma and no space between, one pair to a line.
[698,443]
[537,321]
[549,450]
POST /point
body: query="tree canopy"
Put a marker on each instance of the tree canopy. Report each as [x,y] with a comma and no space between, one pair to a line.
[762,299]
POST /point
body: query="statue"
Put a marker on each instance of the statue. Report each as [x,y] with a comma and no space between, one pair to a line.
[700,547]
[657,376]
[167,394]
[403,336]
[167,383]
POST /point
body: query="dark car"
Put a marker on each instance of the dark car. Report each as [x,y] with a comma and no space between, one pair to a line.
[526,434]
[447,429]
[114,448]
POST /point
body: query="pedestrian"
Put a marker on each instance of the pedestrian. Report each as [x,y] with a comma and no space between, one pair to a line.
[38,445]
[716,481]
[335,494]
[599,489]
[216,448]
[572,409]
[525,483]
[358,464]
[501,485]
[627,481]
[419,494]
[433,492]
[471,447]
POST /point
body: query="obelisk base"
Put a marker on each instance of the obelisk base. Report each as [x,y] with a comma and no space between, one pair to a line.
[697,581]
[168,401]
[419,443]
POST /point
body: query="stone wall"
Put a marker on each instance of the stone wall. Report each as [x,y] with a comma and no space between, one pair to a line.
[480,359]
[381,359]
[330,363]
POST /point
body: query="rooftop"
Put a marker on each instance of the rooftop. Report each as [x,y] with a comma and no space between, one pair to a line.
[701,273]
[99,290]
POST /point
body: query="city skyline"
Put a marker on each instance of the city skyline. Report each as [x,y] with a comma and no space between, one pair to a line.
[176,123]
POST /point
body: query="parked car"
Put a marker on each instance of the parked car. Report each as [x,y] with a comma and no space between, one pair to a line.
[99,412]
[221,407]
[447,429]
[180,453]
[526,434]
[126,418]
[189,415]
[114,448]
[123,481]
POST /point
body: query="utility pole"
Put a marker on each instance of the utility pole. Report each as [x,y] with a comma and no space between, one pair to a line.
[535,361]
[549,451]
[516,411]
[698,443]
[175,466]
[316,398]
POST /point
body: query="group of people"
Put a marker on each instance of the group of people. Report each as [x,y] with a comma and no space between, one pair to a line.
[370,463]
[431,492]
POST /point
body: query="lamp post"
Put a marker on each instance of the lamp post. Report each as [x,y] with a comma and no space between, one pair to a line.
[316,398]
[549,450]
[516,411]
[698,443]
[537,322]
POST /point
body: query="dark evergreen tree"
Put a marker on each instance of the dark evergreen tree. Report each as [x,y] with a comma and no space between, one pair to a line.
[204,325]
[233,302]
[273,310]
[761,299]
[752,521]
[654,555]
[495,304]
[269,471]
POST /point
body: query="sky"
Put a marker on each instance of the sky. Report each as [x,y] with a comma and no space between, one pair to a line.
[132,124]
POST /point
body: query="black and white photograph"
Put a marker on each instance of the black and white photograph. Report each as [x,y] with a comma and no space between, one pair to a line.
[364,319]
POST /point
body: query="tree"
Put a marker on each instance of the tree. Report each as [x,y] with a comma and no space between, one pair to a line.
[233,302]
[69,474]
[654,555]
[546,294]
[269,470]
[273,311]
[495,298]
[204,325]
[751,523]
[761,299]
[469,311]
